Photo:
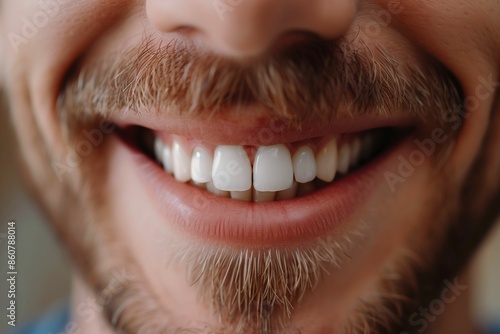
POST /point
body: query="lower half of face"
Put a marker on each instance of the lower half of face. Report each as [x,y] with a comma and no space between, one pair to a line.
[228,215]
[245,271]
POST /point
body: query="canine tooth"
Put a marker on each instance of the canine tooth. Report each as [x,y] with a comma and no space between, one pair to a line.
[343,163]
[263,196]
[201,165]
[242,195]
[288,193]
[214,190]
[326,161]
[182,162]
[159,149]
[272,170]
[304,165]
[355,151]
[305,188]
[231,169]
[168,162]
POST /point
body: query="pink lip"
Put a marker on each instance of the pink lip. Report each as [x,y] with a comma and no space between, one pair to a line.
[201,214]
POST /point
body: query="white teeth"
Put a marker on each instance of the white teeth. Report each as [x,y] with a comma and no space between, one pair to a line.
[272,170]
[182,162]
[355,151]
[231,169]
[326,161]
[275,174]
[242,195]
[201,165]
[304,165]
[263,196]
[288,193]
[214,190]
[344,159]
[159,149]
[168,159]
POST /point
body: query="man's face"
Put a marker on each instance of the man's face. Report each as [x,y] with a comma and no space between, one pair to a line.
[258,166]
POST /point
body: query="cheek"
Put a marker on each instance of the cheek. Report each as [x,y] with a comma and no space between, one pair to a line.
[453,32]
[463,36]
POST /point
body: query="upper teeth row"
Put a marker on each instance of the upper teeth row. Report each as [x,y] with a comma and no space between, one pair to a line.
[274,169]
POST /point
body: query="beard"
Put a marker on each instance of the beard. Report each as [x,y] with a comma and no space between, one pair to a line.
[257,290]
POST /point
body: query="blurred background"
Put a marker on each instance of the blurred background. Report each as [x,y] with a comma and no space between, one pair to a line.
[44,271]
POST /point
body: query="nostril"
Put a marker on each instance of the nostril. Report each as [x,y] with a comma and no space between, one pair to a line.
[253,27]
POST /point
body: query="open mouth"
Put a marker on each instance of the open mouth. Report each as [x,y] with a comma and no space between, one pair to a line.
[260,194]
[262,173]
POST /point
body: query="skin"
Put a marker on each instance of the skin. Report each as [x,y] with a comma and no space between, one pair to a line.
[410,228]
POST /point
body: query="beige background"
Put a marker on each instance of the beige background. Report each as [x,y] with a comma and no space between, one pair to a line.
[43,271]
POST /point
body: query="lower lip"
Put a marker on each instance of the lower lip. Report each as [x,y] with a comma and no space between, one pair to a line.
[203,215]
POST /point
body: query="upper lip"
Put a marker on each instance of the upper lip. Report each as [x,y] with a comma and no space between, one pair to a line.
[254,127]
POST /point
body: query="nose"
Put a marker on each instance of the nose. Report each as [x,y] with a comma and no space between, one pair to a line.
[250,27]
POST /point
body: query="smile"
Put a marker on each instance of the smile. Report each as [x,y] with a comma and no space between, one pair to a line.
[260,195]
[265,173]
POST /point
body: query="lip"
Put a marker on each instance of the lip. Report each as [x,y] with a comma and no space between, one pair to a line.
[253,126]
[202,215]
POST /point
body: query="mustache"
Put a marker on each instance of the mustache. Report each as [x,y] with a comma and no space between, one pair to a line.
[317,79]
